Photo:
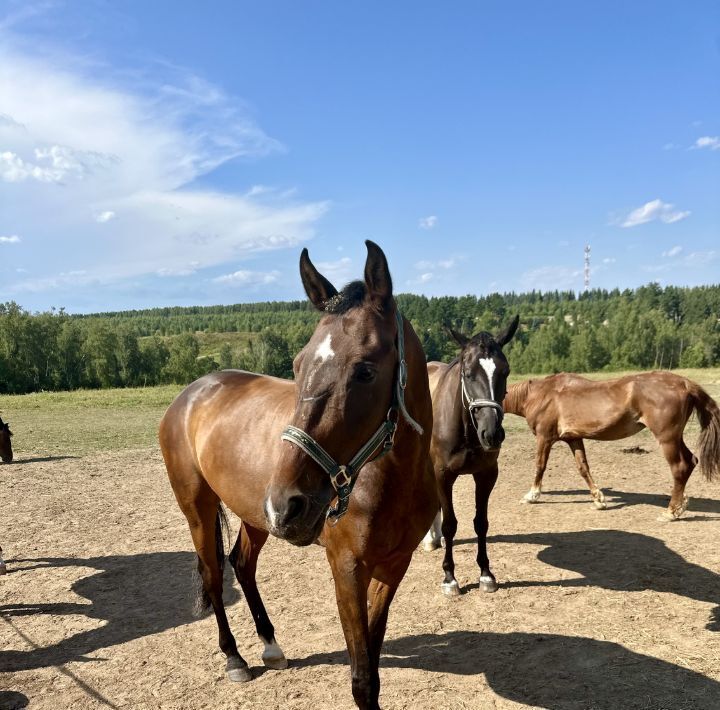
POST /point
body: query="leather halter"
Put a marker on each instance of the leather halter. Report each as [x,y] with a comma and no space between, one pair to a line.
[344,476]
[473,404]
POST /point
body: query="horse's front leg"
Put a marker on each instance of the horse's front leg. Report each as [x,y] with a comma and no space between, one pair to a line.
[484,483]
[542,452]
[386,579]
[351,578]
[449,586]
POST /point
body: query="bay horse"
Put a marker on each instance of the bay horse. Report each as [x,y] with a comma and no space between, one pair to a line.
[467,400]
[269,450]
[571,408]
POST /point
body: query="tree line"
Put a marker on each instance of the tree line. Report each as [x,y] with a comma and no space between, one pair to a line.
[644,328]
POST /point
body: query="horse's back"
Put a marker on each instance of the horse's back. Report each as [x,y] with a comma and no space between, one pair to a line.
[436,370]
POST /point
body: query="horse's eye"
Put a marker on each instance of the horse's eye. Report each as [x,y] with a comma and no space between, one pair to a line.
[364,373]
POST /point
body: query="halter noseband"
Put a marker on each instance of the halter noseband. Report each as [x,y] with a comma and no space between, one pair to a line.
[473,404]
[344,476]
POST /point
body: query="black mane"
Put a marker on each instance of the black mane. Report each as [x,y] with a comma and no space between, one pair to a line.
[351,296]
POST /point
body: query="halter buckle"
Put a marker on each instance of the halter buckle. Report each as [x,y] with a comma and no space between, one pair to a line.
[403,374]
[339,482]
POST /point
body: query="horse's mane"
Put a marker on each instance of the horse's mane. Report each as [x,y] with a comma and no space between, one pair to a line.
[351,296]
[516,397]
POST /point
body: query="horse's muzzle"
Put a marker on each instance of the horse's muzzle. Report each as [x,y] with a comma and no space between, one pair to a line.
[296,518]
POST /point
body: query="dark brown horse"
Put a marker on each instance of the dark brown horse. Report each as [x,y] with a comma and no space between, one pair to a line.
[6,452]
[6,455]
[355,397]
[571,408]
[467,435]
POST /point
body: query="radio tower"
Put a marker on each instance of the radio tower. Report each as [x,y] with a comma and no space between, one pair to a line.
[587,267]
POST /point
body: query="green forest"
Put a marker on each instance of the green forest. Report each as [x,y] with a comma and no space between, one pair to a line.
[650,327]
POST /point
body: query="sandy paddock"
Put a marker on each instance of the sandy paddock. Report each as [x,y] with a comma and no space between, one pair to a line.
[597,609]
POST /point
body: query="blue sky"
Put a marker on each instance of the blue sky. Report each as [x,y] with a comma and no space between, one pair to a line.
[179,153]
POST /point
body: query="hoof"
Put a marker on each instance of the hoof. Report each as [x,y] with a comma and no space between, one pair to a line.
[450,589]
[600,504]
[525,500]
[488,584]
[238,671]
[431,545]
[3,568]
[277,663]
[666,518]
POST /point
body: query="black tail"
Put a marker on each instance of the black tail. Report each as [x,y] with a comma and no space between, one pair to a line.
[709,444]
[202,600]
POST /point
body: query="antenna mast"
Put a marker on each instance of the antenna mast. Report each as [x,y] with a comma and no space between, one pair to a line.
[587,267]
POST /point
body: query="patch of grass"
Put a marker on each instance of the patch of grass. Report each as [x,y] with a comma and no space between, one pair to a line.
[84,421]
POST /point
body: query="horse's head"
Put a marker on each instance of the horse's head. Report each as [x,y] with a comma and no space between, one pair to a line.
[484,370]
[6,453]
[345,380]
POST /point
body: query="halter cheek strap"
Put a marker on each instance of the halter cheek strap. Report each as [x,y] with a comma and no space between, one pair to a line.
[473,404]
[344,476]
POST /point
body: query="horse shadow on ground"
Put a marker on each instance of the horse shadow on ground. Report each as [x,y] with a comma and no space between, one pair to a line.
[623,499]
[42,459]
[549,670]
[134,595]
[12,700]
[621,561]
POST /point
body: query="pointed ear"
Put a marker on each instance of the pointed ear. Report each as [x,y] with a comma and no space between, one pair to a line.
[459,338]
[506,336]
[377,275]
[317,287]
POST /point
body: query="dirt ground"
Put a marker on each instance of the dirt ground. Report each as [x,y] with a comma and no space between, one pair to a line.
[597,609]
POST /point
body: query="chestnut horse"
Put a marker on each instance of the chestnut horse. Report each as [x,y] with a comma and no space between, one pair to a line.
[467,435]
[360,395]
[571,408]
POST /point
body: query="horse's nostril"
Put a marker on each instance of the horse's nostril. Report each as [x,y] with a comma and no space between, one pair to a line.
[295,508]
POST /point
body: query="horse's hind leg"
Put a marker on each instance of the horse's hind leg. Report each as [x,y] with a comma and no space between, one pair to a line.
[578,448]
[244,558]
[433,538]
[204,517]
[542,452]
[449,585]
[682,462]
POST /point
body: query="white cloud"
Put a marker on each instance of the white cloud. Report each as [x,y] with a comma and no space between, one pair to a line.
[710,142]
[428,222]
[12,239]
[694,260]
[426,265]
[72,143]
[654,210]
[672,252]
[105,216]
[248,278]
[609,260]
[338,272]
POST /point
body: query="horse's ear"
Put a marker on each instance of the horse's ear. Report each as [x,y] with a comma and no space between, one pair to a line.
[377,275]
[317,287]
[506,336]
[459,338]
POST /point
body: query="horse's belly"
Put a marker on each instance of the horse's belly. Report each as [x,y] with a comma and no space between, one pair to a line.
[592,428]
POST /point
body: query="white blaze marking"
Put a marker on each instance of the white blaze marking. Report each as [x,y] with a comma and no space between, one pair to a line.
[488,364]
[325,351]
[271,513]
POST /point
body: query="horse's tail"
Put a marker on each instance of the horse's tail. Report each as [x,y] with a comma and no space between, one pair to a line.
[708,414]
[202,600]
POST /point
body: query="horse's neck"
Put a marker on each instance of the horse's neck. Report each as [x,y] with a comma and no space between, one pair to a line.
[515,399]
[459,415]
